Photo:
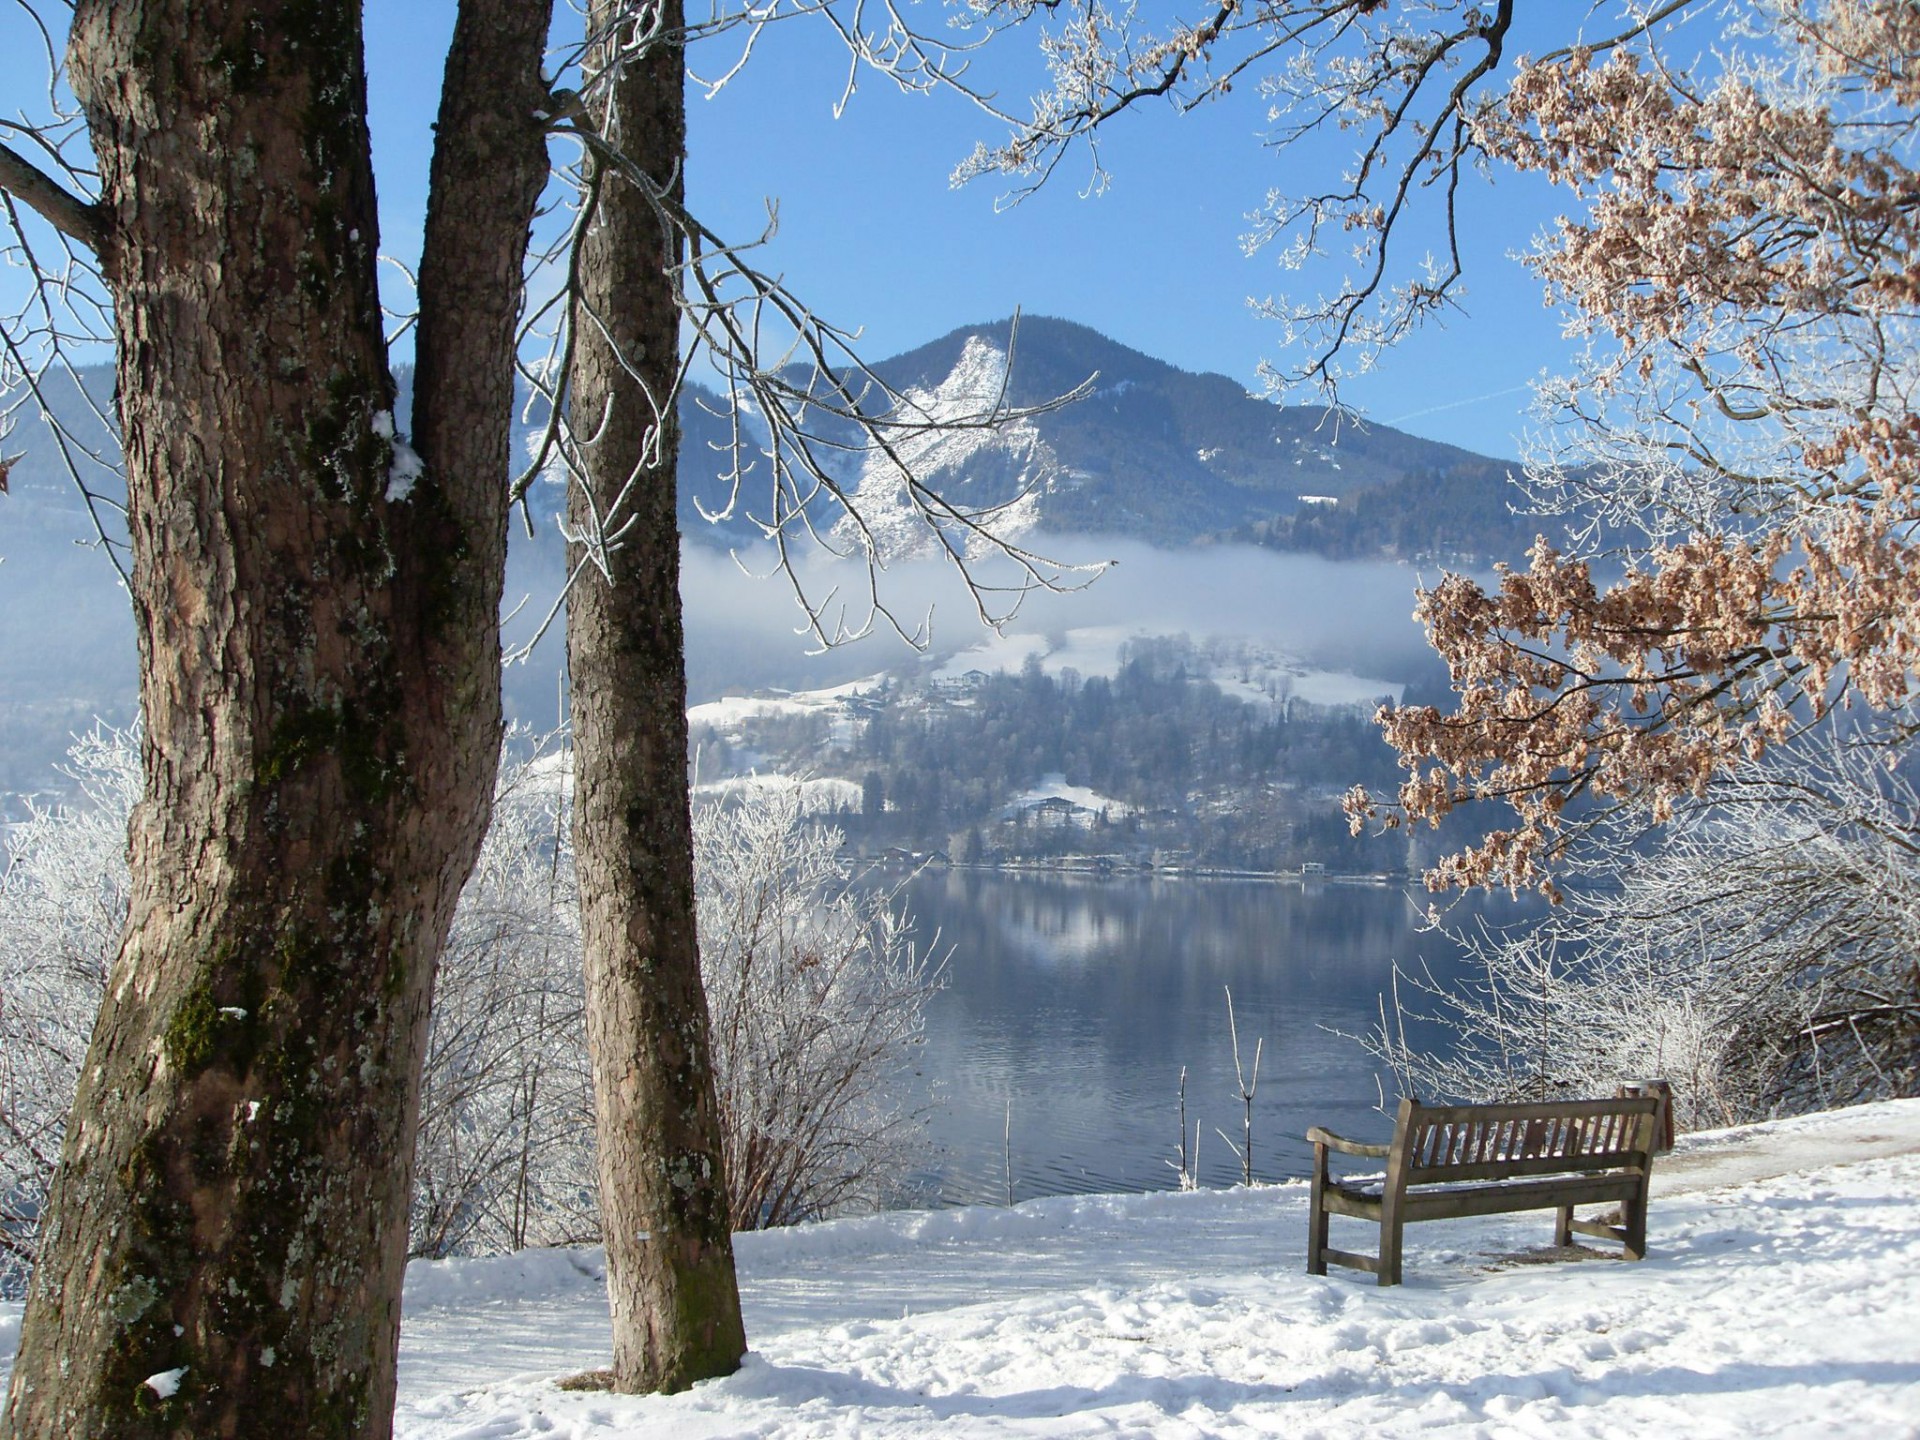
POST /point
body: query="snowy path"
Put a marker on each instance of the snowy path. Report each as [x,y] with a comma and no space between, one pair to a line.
[1782,1299]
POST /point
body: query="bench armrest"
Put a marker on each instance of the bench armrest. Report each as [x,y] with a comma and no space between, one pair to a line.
[1318,1136]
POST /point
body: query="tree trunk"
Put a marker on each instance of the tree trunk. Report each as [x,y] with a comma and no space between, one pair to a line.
[663,1195]
[225,1242]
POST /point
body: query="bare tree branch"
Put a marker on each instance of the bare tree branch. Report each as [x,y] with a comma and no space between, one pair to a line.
[806,414]
[73,217]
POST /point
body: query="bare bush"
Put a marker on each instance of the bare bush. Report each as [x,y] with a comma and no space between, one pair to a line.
[818,995]
[1759,955]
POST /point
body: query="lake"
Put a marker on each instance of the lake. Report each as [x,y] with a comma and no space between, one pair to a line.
[1079,999]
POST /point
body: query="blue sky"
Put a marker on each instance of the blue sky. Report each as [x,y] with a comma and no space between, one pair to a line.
[874,236]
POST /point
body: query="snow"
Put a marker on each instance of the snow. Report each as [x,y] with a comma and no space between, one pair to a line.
[403,471]
[1335,689]
[1003,653]
[166,1384]
[1246,669]
[974,389]
[818,794]
[1781,1298]
[406,466]
[1093,649]
[731,711]
[1054,786]
[1243,667]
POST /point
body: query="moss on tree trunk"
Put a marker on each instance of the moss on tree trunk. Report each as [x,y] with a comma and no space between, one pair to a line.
[226,1237]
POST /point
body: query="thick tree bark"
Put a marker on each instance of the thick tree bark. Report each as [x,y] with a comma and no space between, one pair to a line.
[663,1195]
[319,677]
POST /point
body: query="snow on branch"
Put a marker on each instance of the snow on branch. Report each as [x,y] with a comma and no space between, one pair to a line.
[805,413]
[1409,81]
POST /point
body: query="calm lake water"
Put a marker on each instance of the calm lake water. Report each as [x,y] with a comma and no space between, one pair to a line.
[1079,999]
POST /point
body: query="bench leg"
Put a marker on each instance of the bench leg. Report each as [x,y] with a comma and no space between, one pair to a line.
[1390,1232]
[1317,1232]
[1390,1255]
[1634,1223]
[1563,1227]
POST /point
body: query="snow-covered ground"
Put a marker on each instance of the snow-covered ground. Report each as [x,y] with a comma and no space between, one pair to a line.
[729,713]
[817,793]
[1055,787]
[1248,669]
[1781,1298]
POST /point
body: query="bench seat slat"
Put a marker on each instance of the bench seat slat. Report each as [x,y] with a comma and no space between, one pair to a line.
[1436,1202]
[1531,1165]
[1445,1204]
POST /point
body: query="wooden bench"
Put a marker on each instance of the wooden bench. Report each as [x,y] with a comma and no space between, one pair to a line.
[1454,1160]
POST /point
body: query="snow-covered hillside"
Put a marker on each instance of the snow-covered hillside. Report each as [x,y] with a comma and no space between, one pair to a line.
[1244,668]
[999,471]
[1781,1298]
[1125,745]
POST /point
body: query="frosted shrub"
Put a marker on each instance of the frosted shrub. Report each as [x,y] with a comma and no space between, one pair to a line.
[817,994]
[1760,957]
[63,901]
[815,990]
[505,1144]
[1553,1015]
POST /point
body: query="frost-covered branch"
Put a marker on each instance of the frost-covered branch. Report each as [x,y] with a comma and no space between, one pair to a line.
[810,422]
[1405,83]
[1759,954]
[818,990]
[1740,429]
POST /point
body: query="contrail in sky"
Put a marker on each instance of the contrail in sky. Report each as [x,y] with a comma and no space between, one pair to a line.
[1457,404]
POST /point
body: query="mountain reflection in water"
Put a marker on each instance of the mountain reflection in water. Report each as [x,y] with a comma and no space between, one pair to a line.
[1081,998]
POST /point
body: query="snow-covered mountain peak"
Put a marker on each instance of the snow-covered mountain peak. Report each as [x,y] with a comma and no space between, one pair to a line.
[957,439]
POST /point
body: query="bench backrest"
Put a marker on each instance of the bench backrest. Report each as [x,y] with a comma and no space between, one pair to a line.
[1493,1142]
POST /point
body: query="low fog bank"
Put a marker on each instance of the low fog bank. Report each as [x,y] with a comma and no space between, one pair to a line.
[67,644]
[744,625]
[1351,616]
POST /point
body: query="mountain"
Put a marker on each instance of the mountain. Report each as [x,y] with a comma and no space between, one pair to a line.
[1151,455]
[1154,453]
[1149,452]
